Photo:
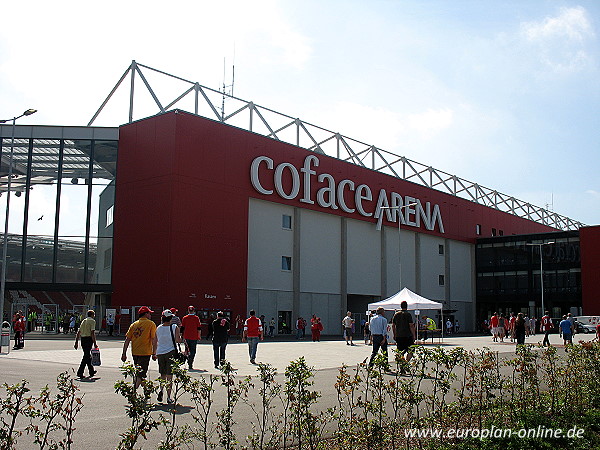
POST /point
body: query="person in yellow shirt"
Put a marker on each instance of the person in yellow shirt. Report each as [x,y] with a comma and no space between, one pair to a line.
[87,332]
[142,335]
[430,326]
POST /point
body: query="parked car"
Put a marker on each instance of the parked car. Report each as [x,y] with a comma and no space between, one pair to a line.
[584,328]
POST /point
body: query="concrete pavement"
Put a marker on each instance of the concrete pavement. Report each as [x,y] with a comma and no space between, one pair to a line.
[103,416]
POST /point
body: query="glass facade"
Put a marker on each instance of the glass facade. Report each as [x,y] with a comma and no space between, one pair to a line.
[61,204]
[508,274]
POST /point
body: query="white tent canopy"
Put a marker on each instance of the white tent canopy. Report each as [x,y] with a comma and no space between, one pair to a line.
[414,301]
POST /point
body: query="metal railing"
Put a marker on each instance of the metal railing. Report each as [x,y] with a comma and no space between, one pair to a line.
[210,103]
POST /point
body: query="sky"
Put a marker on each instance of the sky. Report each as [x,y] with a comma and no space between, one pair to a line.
[502,93]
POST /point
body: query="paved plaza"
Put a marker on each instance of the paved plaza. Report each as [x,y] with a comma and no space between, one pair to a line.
[103,416]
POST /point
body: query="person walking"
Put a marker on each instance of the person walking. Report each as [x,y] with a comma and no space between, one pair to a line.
[272,327]
[494,321]
[110,321]
[532,326]
[87,333]
[403,328]
[502,323]
[378,327]
[167,335]
[103,327]
[520,329]
[545,327]
[253,331]
[571,319]
[65,323]
[299,327]
[566,328]
[367,329]
[142,335]
[316,327]
[347,323]
[239,326]
[448,327]
[191,327]
[220,337]
[511,326]
[19,327]
[176,320]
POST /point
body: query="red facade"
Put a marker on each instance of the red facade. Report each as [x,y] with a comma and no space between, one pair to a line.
[589,242]
[181,209]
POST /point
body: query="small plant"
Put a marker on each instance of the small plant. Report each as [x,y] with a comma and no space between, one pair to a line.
[175,436]
[139,407]
[202,392]
[305,427]
[266,435]
[235,390]
[16,404]
[56,413]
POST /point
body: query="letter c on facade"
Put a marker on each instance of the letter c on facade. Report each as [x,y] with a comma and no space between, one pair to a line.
[254,174]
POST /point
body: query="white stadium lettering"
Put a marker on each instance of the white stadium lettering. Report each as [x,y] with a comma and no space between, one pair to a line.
[332,195]
[279,183]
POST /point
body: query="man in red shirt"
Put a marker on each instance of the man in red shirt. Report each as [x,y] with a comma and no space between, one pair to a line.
[253,331]
[19,327]
[190,328]
[494,326]
[545,326]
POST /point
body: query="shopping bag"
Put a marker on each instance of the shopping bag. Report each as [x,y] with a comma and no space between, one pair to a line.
[95,353]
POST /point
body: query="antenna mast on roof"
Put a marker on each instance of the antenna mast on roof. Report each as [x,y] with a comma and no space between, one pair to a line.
[225,88]
[550,206]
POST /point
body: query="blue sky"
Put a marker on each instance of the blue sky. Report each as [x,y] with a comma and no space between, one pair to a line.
[502,93]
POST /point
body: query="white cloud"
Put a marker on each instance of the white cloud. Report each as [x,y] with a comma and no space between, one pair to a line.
[68,55]
[432,121]
[571,23]
[560,42]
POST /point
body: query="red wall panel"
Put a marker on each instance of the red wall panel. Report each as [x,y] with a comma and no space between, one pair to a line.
[589,242]
[181,209]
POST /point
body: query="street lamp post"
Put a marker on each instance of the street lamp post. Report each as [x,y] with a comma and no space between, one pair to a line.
[8,187]
[399,209]
[541,268]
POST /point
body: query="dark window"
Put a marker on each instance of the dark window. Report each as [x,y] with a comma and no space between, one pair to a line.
[441,280]
[286,263]
[478,229]
[493,232]
[441,249]
[286,222]
[107,258]
[500,233]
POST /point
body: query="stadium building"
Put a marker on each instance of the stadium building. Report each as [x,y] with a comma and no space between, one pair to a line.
[258,210]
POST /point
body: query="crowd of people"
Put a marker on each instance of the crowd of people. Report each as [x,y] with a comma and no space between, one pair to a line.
[162,343]
[518,326]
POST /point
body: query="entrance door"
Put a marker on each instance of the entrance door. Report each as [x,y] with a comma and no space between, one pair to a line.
[358,305]
[284,322]
[50,318]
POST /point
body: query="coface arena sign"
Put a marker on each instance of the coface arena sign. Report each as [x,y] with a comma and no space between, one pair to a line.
[344,195]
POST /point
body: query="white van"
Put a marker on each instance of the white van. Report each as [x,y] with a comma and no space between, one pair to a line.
[588,320]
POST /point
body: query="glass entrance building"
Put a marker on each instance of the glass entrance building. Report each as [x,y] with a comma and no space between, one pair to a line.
[60,212]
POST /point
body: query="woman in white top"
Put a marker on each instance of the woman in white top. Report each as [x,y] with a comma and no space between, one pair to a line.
[165,350]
